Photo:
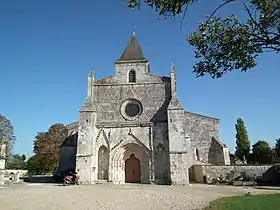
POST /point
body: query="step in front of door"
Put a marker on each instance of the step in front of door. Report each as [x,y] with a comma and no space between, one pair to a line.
[101,181]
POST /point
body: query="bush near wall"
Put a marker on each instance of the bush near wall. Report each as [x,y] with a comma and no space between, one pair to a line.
[261,174]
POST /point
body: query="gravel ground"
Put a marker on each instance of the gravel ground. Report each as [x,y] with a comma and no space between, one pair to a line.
[117,197]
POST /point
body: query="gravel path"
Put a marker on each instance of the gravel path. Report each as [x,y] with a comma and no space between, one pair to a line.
[117,197]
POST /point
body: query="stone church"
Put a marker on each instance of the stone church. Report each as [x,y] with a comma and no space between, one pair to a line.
[134,129]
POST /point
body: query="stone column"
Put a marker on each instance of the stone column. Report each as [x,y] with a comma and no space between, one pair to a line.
[151,168]
[2,163]
[1,178]
[2,155]
[151,157]
[17,176]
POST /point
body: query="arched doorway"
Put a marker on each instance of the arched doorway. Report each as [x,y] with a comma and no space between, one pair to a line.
[103,163]
[132,170]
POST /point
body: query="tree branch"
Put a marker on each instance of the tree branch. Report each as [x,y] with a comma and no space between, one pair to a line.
[219,7]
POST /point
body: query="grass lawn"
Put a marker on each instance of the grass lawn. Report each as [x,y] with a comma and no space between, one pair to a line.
[254,202]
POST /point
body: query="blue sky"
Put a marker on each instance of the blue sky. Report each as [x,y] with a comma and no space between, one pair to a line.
[48,47]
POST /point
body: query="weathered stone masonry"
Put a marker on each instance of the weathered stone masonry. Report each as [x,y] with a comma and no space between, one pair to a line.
[133,128]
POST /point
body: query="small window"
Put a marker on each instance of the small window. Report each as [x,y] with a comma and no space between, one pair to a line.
[197,155]
[132,76]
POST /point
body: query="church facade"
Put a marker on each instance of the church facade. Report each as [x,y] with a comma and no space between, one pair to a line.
[134,129]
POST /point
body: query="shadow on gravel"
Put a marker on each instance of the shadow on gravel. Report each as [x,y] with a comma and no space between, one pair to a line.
[40,179]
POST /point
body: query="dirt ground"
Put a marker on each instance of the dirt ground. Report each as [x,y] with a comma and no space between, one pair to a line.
[109,196]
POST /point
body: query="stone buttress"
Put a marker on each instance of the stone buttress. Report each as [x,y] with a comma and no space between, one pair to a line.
[85,157]
[179,144]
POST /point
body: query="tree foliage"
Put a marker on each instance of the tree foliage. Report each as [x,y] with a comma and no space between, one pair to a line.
[242,140]
[276,149]
[163,7]
[16,162]
[262,153]
[47,145]
[224,44]
[7,134]
[34,166]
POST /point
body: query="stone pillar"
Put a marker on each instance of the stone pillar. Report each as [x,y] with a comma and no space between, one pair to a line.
[17,176]
[2,178]
[87,129]
[90,84]
[2,156]
[2,163]
[152,158]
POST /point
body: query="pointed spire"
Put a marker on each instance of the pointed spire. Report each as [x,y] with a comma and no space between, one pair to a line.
[172,69]
[90,83]
[175,103]
[133,51]
[90,73]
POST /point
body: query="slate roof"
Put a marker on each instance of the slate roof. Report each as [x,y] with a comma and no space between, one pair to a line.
[133,51]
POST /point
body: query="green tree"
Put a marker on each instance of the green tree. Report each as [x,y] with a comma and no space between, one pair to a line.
[15,162]
[33,165]
[242,140]
[276,150]
[7,134]
[47,146]
[262,153]
[224,44]
[23,157]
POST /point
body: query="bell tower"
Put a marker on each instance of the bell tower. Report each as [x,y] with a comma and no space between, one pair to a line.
[132,65]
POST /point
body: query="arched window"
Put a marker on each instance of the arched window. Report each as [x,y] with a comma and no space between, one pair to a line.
[103,163]
[197,157]
[132,76]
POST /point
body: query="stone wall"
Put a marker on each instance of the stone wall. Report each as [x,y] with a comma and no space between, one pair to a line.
[15,171]
[208,173]
[140,67]
[110,98]
[72,128]
[179,147]
[67,159]
[204,134]
[161,153]
[11,176]
[218,153]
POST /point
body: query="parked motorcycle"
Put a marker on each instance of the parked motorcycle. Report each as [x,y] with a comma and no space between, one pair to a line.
[71,179]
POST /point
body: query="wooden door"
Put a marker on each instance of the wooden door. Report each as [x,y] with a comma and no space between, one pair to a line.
[132,170]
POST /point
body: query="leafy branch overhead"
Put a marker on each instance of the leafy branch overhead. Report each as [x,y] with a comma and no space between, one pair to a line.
[224,44]
[163,7]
